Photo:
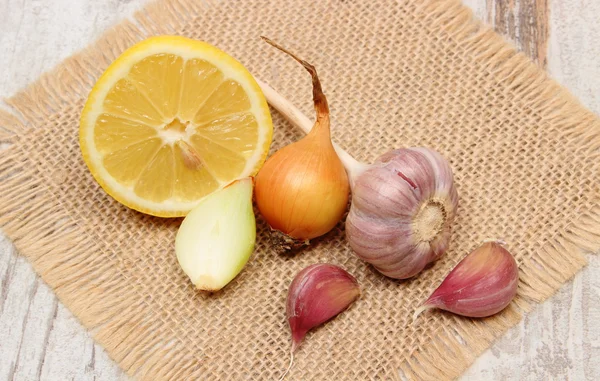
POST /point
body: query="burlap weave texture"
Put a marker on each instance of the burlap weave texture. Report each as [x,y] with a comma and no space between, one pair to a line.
[397,74]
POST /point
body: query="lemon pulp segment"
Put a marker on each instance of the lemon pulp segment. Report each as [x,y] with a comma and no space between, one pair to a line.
[170,121]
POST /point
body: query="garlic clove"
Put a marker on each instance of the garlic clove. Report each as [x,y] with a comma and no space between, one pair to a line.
[317,294]
[481,285]
[416,259]
[216,239]
[378,243]
[384,194]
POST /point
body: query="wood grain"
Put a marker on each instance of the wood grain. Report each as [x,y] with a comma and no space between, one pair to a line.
[526,22]
[560,339]
[41,340]
[39,337]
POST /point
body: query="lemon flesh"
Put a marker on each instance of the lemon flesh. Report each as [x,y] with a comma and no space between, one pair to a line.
[170,121]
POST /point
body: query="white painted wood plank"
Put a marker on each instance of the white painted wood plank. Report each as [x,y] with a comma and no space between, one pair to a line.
[478,7]
[574,49]
[37,325]
[36,35]
[73,355]
[22,307]
[39,338]
[559,340]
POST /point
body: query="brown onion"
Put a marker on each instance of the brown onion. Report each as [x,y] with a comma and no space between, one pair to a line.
[302,190]
[403,204]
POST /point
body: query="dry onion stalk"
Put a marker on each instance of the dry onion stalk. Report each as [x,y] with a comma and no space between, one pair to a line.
[403,205]
[302,190]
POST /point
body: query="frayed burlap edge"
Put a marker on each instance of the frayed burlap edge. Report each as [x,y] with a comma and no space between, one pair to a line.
[59,249]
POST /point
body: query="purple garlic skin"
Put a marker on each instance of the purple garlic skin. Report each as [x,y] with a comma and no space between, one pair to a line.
[481,285]
[318,293]
[403,206]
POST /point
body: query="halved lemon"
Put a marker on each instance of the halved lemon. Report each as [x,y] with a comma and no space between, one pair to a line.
[170,121]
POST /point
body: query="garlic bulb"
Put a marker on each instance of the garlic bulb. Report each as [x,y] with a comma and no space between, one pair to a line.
[402,207]
[402,210]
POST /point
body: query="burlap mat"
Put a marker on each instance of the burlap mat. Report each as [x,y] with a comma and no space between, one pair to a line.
[397,73]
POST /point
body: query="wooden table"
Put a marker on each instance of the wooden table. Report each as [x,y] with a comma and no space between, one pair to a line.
[40,339]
